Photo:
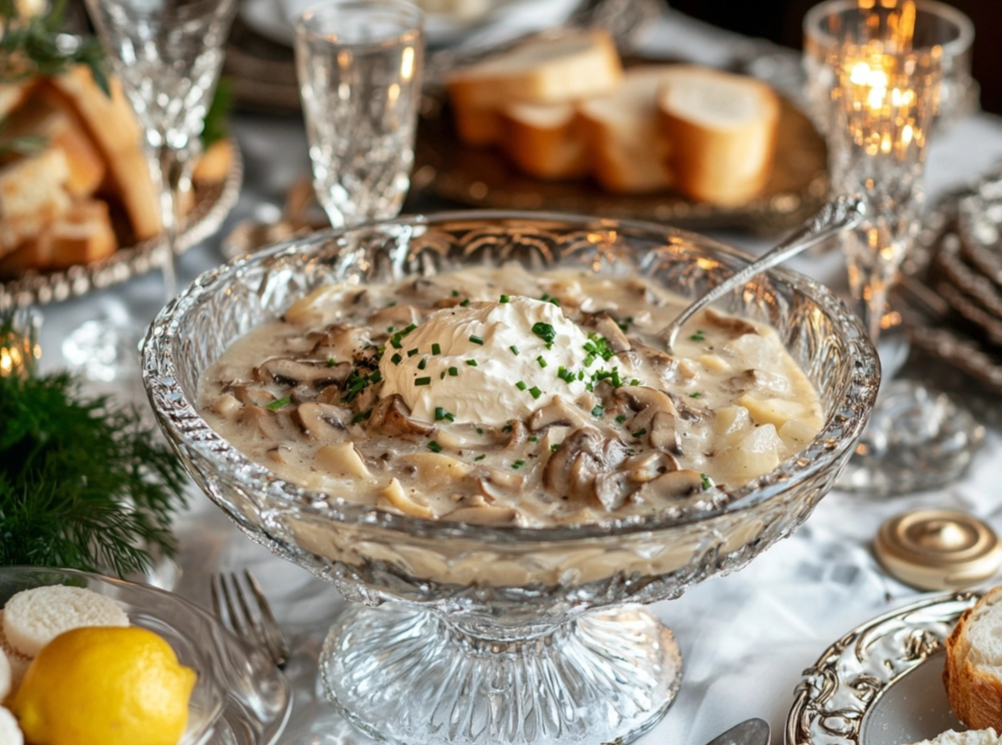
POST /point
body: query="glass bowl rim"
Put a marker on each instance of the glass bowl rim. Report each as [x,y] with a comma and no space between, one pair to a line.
[159,376]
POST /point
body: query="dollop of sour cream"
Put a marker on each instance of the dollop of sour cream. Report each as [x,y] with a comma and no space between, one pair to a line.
[490,362]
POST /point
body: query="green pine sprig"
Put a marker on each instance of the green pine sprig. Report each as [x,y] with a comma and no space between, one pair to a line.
[83,484]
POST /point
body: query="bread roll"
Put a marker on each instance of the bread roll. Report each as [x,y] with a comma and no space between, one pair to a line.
[629,152]
[82,234]
[33,618]
[973,673]
[32,195]
[722,129]
[17,662]
[544,140]
[547,70]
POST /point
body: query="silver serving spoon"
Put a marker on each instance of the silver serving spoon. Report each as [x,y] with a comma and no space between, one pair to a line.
[840,214]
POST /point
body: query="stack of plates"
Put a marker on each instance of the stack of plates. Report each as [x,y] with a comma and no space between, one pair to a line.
[958,281]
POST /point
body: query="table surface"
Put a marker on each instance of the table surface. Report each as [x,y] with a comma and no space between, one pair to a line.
[745,638]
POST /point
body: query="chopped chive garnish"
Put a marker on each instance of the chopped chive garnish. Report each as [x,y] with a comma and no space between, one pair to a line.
[532,438]
[518,464]
[439,413]
[465,302]
[589,360]
[474,339]
[707,481]
[639,433]
[634,382]
[423,363]
[361,415]
[331,362]
[453,372]
[471,363]
[480,457]
[434,446]
[441,375]
[436,348]
[696,394]
[455,293]
[621,418]
[505,299]
[375,377]
[390,329]
[541,361]
[544,331]
[396,359]
[451,417]
[698,336]
[391,303]
[278,403]
[554,448]
[412,352]
[535,392]
[479,431]
[514,349]
[422,381]
[597,411]
[507,427]
[521,385]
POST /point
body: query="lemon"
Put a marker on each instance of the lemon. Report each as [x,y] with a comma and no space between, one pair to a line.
[103,685]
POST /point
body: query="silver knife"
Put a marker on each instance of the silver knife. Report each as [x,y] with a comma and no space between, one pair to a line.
[749,732]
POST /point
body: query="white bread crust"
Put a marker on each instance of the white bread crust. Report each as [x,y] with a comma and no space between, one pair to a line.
[973,672]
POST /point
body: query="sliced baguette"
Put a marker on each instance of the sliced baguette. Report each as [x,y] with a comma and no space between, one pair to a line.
[722,129]
[973,673]
[32,618]
[623,134]
[40,116]
[112,125]
[32,195]
[84,233]
[544,70]
[544,140]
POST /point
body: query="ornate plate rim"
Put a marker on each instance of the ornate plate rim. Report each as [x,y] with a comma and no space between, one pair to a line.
[38,288]
[851,664]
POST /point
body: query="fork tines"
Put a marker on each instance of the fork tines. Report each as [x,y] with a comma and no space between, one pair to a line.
[252,621]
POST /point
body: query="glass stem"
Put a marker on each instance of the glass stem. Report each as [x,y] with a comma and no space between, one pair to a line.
[173,178]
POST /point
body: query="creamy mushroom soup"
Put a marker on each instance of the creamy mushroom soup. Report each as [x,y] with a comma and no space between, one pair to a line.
[507,397]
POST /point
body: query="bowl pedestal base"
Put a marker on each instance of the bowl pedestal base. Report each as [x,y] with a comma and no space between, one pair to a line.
[409,675]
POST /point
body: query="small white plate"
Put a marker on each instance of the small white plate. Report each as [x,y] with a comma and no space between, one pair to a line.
[881,683]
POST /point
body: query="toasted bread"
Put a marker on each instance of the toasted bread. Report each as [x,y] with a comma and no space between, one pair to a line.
[973,673]
[32,195]
[623,133]
[547,70]
[82,234]
[722,130]
[112,125]
[544,141]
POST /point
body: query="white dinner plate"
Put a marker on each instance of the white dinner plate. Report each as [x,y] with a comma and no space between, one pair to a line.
[881,683]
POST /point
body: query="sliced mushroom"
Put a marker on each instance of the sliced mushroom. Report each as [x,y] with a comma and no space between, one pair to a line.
[670,487]
[648,466]
[396,495]
[560,412]
[341,342]
[610,489]
[584,455]
[291,373]
[729,324]
[250,394]
[392,417]
[316,420]
[261,423]
[517,435]
[485,515]
[226,405]
[435,471]
[343,459]
[397,316]
[662,433]
[613,334]
[647,402]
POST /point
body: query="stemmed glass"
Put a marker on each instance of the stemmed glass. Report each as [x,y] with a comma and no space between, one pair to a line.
[884,97]
[359,66]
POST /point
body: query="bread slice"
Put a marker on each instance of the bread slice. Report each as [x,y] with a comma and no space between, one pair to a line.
[13,95]
[111,124]
[17,663]
[32,195]
[973,673]
[84,233]
[40,116]
[623,133]
[722,130]
[5,677]
[544,140]
[543,70]
[968,737]
[32,618]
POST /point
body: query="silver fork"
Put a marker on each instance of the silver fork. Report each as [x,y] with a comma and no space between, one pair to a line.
[256,625]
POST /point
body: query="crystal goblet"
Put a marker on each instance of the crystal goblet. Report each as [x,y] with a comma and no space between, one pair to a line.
[359,68]
[496,633]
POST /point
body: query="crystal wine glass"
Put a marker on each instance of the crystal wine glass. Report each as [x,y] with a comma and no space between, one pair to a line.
[885,94]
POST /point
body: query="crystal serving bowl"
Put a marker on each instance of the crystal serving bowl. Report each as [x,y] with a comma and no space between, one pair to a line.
[504,634]
[239,697]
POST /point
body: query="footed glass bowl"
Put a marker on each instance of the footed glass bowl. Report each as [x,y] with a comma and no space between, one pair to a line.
[502,634]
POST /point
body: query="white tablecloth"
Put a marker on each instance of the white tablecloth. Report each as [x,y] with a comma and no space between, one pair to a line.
[745,638]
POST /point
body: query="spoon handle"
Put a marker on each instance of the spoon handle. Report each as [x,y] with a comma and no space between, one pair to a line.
[841,213]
